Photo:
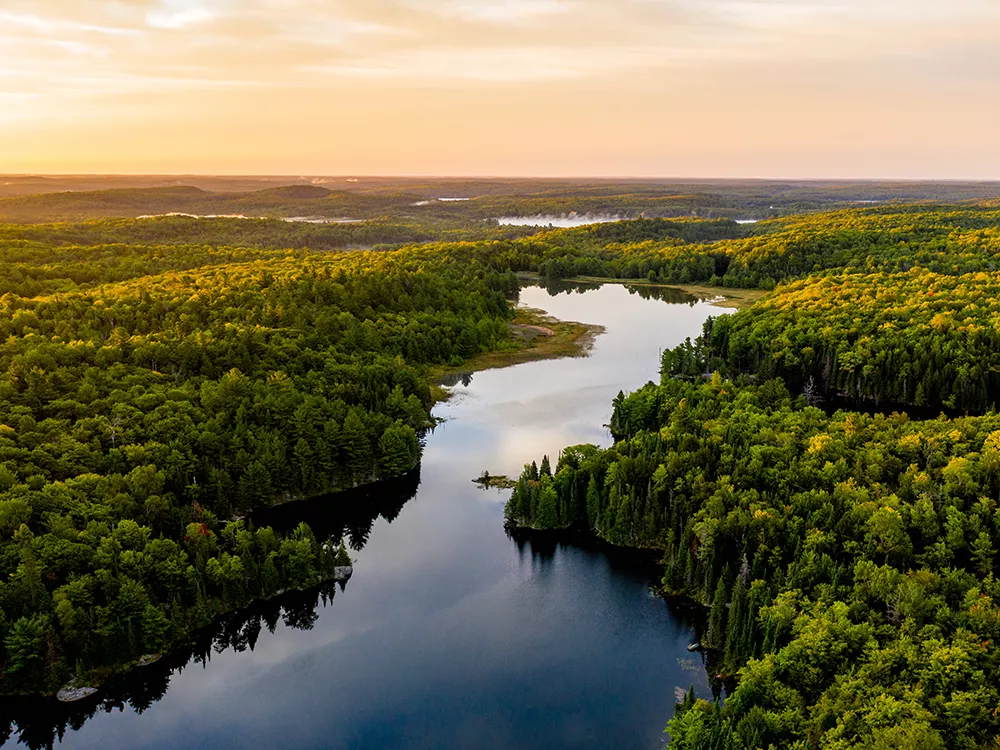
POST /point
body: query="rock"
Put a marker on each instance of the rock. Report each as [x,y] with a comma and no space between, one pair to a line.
[148,659]
[71,694]
[343,572]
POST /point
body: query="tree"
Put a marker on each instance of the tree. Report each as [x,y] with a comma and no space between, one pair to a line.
[715,636]
[547,515]
[25,646]
[155,629]
[397,450]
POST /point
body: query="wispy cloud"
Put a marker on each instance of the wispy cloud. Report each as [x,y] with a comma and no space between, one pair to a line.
[688,58]
[498,40]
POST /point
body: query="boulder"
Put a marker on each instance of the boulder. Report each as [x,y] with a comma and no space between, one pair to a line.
[71,693]
[148,659]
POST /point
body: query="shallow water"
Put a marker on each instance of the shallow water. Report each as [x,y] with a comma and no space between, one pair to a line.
[450,633]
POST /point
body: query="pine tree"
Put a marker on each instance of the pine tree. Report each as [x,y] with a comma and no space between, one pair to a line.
[25,645]
[155,629]
[679,579]
[593,501]
[396,450]
[547,517]
[354,439]
[270,579]
[736,627]
[716,635]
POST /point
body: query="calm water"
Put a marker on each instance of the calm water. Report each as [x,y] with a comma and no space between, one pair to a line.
[450,634]
[562,222]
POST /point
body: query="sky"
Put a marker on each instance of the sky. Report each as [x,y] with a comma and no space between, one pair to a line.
[643,88]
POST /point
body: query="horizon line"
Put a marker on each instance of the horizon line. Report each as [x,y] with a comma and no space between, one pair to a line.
[485,177]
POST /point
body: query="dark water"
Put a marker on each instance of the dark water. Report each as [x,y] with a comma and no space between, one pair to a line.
[450,634]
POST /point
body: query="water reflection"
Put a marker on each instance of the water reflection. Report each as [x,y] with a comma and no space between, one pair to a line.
[39,723]
[669,294]
[350,514]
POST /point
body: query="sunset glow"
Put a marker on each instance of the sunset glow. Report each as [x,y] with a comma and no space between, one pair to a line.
[687,88]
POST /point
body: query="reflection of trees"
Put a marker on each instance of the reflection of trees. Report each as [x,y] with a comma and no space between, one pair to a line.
[350,514]
[40,723]
[450,381]
[668,294]
[555,287]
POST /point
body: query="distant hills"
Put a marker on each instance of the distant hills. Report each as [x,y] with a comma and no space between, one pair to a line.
[32,199]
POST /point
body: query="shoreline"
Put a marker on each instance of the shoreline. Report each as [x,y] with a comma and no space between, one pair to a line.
[535,336]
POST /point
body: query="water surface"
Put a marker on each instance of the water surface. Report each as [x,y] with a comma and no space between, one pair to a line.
[560,222]
[450,634]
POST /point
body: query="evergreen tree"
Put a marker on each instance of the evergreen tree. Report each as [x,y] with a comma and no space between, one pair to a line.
[715,636]
[736,627]
[354,438]
[155,629]
[396,450]
[547,516]
[593,501]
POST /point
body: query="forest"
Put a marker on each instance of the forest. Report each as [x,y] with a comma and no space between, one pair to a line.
[846,559]
[154,396]
[167,383]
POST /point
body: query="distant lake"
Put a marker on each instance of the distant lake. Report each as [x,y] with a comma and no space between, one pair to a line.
[451,633]
[292,219]
[561,222]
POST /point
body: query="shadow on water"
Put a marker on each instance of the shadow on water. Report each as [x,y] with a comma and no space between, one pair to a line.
[646,566]
[350,514]
[41,722]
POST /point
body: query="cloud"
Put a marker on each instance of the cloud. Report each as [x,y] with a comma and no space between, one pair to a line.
[502,11]
[717,63]
[466,40]
[178,19]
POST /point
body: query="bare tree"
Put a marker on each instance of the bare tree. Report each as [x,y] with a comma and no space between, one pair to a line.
[812,393]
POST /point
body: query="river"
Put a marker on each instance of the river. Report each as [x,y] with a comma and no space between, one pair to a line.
[450,633]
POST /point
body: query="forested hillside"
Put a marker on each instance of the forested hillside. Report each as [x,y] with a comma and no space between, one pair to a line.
[846,560]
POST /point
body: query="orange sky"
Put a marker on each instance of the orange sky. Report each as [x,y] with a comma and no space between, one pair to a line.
[696,88]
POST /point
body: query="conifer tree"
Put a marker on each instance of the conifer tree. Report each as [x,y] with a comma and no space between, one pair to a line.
[716,635]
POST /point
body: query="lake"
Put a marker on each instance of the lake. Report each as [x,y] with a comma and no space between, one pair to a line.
[561,222]
[450,633]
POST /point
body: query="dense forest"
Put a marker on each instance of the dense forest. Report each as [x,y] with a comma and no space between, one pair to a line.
[846,560]
[166,381]
[152,396]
